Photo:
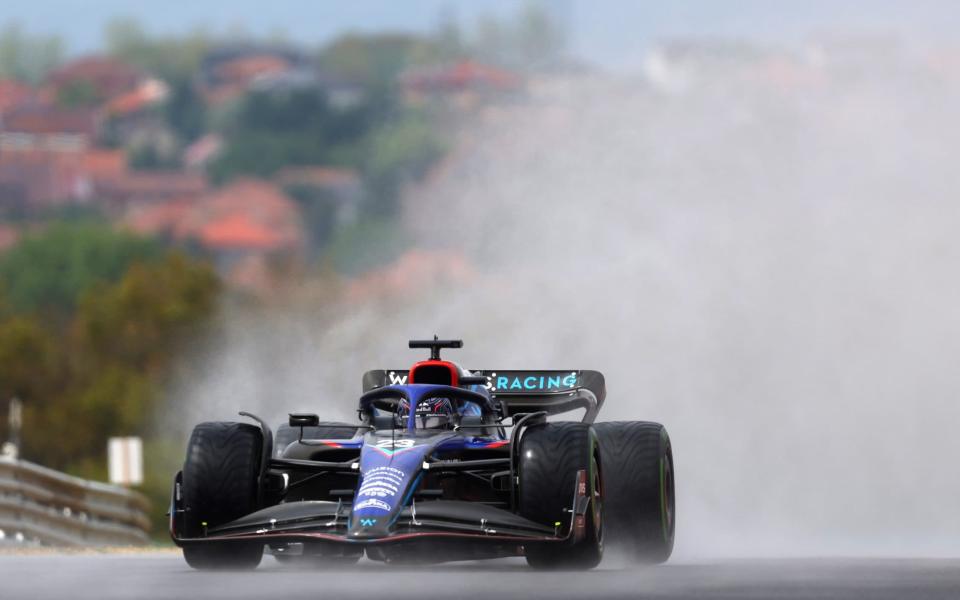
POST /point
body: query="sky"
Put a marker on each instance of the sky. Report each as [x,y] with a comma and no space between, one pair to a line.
[608,32]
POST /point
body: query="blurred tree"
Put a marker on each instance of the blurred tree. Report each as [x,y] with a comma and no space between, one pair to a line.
[448,38]
[367,244]
[27,57]
[186,111]
[115,400]
[174,58]
[79,93]
[273,129]
[72,213]
[376,59]
[31,363]
[398,153]
[148,156]
[319,210]
[104,374]
[533,40]
[47,272]
[139,320]
[540,40]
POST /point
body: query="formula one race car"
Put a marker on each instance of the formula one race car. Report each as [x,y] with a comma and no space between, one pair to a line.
[445,464]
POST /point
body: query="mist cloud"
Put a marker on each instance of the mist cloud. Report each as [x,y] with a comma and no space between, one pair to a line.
[770,271]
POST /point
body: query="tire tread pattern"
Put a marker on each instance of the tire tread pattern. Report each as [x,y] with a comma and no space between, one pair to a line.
[220,480]
[550,456]
[631,452]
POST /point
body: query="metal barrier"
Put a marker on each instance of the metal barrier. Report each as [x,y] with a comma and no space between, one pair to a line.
[41,506]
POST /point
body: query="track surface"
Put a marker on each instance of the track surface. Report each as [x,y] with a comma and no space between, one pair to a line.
[164,575]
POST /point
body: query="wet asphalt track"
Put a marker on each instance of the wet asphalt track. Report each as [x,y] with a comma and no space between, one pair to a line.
[164,575]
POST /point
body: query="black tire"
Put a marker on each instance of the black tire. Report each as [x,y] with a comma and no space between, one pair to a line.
[285,434]
[220,481]
[550,456]
[640,494]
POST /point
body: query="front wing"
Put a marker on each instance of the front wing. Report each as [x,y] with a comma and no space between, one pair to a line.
[452,520]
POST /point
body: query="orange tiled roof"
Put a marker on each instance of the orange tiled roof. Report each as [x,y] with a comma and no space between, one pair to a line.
[14,94]
[163,183]
[245,69]
[461,75]
[9,236]
[50,119]
[248,214]
[101,163]
[242,210]
[239,230]
[158,218]
[109,76]
[148,93]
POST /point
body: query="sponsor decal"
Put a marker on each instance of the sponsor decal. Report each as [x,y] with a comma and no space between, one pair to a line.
[552,382]
[368,522]
[373,503]
[516,381]
[381,482]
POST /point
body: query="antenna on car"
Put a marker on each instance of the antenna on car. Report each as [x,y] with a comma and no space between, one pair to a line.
[435,345]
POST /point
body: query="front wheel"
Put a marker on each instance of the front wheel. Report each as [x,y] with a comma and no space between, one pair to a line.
[551,455]
[220,484]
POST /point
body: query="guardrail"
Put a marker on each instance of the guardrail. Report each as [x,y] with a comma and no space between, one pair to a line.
[41,506]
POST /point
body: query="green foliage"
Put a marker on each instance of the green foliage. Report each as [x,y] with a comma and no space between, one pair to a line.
[27,57]
[102,373]
[91,214]
[139,320]
[47,272]
[400,152]
[271,130]
[318,208]
[30,360]
[533,40]
[79,93]
[367,244]
[376,59]
[146,157]
[162,457]
[185,111]
[173,58]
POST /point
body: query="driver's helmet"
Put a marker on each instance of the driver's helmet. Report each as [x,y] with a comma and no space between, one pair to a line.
[435,413]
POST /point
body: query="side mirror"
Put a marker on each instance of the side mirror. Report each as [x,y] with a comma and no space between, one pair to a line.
[304,420]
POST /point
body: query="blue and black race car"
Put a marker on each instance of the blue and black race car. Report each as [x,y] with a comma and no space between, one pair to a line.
[445,464]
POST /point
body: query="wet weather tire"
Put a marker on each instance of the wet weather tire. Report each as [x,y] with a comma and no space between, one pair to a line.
[639,489]
[220,481]
[550,456]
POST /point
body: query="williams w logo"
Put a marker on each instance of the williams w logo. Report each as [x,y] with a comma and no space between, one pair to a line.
[368,522]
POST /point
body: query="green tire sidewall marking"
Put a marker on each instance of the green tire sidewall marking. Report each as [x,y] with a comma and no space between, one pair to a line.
[663,494]
[663,501]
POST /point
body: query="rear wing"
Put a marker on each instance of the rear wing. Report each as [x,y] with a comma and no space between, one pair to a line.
[553,392]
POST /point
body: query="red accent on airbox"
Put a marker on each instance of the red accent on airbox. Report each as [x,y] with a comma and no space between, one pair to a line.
[454,371]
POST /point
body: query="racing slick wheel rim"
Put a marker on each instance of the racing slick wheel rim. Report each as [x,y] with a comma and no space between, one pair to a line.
[597,501]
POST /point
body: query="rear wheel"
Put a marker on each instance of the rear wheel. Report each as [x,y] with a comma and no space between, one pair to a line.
[640,496]
[551,455]
[220,480]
